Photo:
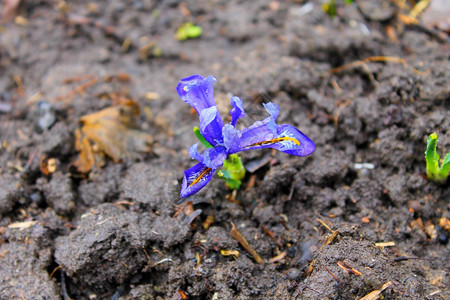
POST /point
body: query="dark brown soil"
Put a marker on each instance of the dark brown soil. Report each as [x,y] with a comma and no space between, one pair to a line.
[112,234]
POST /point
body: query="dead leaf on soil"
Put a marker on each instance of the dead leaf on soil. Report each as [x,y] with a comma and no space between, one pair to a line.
[374,295]
[22,225]
[385,244]
[444,223]
[234,253]
[278,258]
[110,133]
[244,243]
[349,269]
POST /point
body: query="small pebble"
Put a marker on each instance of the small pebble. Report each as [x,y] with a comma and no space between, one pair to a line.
[293,274]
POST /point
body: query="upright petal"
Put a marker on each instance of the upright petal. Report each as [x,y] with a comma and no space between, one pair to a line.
[231,137]
[272,109]
[237,111]
[288,139]
[195,179]
[198,91]
[193,152]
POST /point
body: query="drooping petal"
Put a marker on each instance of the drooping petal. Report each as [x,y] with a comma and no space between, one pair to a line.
[237,111]
[198,91]
[195,179]
[288,139]
[231,137]
[259,132]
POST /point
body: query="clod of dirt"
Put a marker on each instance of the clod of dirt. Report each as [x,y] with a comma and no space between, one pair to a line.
[58,193]
[393,149]
[397,190]
[102,188]
[332,166]
[376,265]
[41,232]
[58,141]
[9,193]
[98,252]
[23,273]
[278,177]
[145,183]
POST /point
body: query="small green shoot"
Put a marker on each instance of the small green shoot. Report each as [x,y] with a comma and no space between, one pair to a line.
[330,7]
[232,183]
[234,169]
[434,172]
[188,31]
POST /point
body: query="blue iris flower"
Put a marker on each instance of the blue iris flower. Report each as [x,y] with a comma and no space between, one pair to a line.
[197,91]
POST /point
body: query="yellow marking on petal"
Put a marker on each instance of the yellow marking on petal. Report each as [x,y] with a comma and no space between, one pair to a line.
[185,88]
[202,174]
[273,141]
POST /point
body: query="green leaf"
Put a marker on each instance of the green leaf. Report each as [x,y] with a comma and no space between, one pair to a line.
[201,138]
[232,183]
[445,168]
[234,166]
[431,157]
[434,172]
[330,8]
[188,31]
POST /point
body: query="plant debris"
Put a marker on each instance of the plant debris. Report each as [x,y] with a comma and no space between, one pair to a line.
[241,239]
[110,133]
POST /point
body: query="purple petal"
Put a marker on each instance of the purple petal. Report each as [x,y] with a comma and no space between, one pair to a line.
[231,137]
[214,157]
[259,132]
[211,125]
[193,152]
[195,179]
[237,111]
[198,91]
[272,109]
[288,139]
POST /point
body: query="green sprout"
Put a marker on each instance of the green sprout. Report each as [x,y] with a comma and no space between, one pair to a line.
[188,31]
[233,170]
[434,172]
[330,7]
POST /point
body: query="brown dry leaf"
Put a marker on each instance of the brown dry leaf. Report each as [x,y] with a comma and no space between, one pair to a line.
[110,133]
[234,253]
[430,230]
[22,225]
[444,223]
[385,244]
[374,295]
[279,257]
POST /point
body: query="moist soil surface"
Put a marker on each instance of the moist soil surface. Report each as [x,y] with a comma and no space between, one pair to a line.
[367,88]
